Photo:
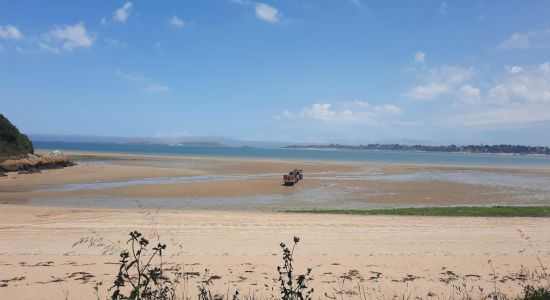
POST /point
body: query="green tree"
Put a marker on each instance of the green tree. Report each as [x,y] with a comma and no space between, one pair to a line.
[12,142]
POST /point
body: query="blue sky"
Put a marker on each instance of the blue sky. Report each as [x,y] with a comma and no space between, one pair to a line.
[349,71]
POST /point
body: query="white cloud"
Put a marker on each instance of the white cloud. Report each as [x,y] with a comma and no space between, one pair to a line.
[114,43]
[517,98]
[176,22]
[388,109]
[10,32]
[420,57]
[526,40]
[355,112]
[147,84]
[130,76]
[514,69]
[323,112]
[440,81]
[444,8]
[363,105]
[534,86]
[122,14]
[451,75]
[263,11]
[104,21]
[267,13]
[67,38]
[469,94]
[427,92]
[516,40]
[285,115]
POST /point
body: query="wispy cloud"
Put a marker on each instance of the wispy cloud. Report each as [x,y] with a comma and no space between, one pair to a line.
[114,43]
[147,84]
[444,8]
[10,32]
[527,40]
[122,14]
[153,87]
[354,112]
[67,38]
[267,13]
[439,81]
[517,98]
[176,22]
[285,115]
[469,94]
[358,4]
[420,57]
[263,11]
[533,86]
[514,69]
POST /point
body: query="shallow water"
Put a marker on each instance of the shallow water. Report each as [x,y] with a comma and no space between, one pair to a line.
[536,182]
[514,189]
[153,181]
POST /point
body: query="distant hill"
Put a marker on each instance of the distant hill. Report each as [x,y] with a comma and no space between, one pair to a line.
[182,144]
[185,141]
[12,142]
[496,149]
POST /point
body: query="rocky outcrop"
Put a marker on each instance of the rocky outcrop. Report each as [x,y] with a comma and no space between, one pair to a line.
[34,163]
[17,152]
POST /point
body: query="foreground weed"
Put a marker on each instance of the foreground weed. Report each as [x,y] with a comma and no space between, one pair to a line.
[136,272]
[292,287]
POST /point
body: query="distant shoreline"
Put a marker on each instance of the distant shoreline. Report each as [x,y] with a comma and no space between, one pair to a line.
[469,149]
[420,151]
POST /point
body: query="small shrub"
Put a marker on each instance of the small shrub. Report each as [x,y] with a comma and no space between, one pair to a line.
[137,277]
[535,293]
[292,287]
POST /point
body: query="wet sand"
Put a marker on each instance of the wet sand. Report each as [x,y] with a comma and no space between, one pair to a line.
[108,180]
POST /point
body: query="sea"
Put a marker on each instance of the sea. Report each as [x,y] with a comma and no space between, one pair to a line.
[344,155]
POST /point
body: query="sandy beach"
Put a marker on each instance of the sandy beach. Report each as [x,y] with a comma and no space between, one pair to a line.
[61,230]
[46,251]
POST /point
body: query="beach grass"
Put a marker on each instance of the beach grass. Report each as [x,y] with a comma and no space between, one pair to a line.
[451,211]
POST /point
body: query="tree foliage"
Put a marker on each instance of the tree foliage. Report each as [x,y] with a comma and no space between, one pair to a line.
[12,142]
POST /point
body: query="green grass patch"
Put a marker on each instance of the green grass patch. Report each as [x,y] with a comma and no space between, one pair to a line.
[453,211]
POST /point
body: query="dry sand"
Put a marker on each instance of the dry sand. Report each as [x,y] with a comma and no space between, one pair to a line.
[49,251]
[417,255]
